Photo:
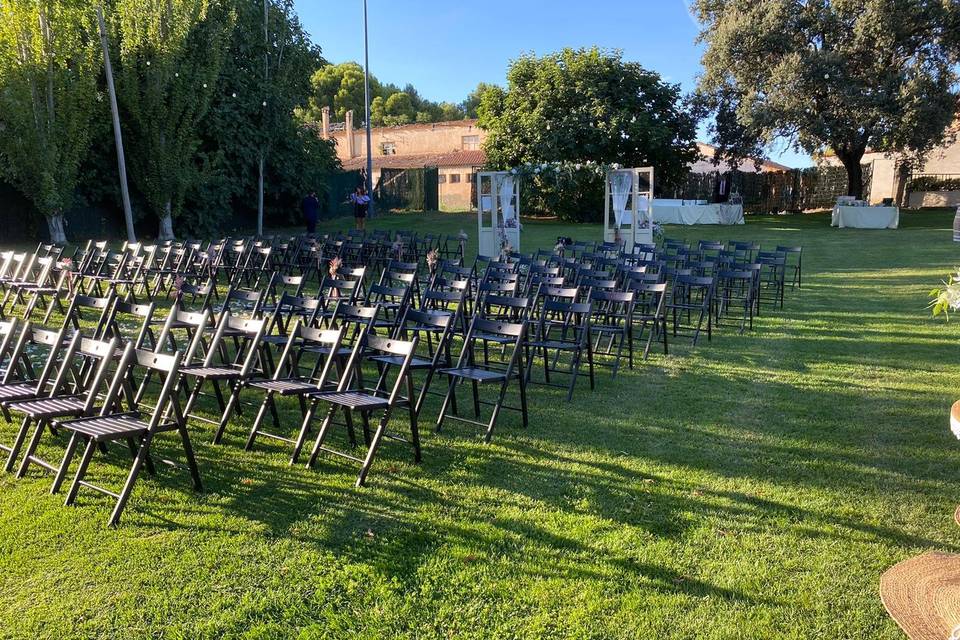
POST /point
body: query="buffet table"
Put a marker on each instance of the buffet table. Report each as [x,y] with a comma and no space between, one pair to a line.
[865,217]
[689,212]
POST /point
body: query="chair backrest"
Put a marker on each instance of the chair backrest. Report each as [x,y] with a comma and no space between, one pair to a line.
[564,321]
[298,345]
[243,301]
[101,306]
[167,403]
[9,335]
[355,319]
[95,358]
[376,345]
[196,323]
[131,322]
[612,306]
[248,332]
[504,308]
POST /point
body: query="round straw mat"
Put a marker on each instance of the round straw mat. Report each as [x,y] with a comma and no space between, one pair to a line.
[922,595]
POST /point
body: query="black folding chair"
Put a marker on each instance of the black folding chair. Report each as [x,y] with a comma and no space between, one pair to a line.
[381,397]
[612,321]
[300,370]
[650,313]
[563,328]
[469,369]
[691,302]
[64,401]
[734,293]
[134,427]
[435,329]
[234,370]
[794,263]
[30,385]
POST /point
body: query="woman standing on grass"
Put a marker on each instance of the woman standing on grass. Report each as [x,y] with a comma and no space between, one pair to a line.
[360,201]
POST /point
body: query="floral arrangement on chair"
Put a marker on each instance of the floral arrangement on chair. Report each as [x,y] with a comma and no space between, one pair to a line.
[433,257]
[66,265]
[334,270]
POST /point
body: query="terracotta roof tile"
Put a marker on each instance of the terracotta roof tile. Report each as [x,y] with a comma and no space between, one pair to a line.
[476,158]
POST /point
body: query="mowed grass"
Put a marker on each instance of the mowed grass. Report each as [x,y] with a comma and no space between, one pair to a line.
[751,487]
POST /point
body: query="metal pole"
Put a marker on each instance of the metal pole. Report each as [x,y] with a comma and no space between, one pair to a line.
[117,136]
[366,106]
[263,116]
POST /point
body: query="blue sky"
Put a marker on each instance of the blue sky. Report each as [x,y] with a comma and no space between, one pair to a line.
[446,48]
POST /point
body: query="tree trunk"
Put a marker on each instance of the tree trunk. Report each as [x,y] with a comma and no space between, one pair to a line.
[55,227]
[260,198]
[166,225]
[851,162]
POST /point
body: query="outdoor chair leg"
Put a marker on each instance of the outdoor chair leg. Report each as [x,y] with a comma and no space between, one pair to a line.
[40,427]
[65,464]
[128,485]
[371,452]
[267,399]
[17,445]
[81,471]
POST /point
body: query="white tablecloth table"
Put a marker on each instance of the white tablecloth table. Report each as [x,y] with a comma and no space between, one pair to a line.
[671,213]
[865,217]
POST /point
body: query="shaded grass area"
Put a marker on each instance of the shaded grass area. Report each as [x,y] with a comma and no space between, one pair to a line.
[753,487]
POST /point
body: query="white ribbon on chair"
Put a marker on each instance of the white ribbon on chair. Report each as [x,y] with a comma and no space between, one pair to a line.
[621,184]
[505,189]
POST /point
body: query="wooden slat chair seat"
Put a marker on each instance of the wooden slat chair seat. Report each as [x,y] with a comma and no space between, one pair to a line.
[381,396]
[137,428]
[83,399]
[32,386]
[468,369]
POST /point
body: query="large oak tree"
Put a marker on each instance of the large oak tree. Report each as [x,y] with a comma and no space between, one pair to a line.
[844,75]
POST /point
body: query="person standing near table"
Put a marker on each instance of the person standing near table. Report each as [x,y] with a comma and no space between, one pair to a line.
[311,211]
[361,201]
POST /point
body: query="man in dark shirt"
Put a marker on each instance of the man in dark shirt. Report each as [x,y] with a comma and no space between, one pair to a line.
[311,211]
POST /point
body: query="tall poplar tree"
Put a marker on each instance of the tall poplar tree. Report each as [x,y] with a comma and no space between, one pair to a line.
[171,53]
[49,64]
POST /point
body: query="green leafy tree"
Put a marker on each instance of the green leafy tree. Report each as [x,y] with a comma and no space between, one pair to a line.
[471,105]
[847,76]
[340,87]
[170,58]
[49,65]
[398,109]
[377,111]
[586,105]
[251,122]
[450,111]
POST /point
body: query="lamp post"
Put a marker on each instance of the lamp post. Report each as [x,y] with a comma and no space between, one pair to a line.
[366,107]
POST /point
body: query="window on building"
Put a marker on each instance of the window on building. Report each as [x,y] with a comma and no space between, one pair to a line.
[454,177]
[468,177]
[388,148]
[470,143]
[441,178]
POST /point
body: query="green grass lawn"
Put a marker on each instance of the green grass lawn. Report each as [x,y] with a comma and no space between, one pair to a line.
[752,487]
